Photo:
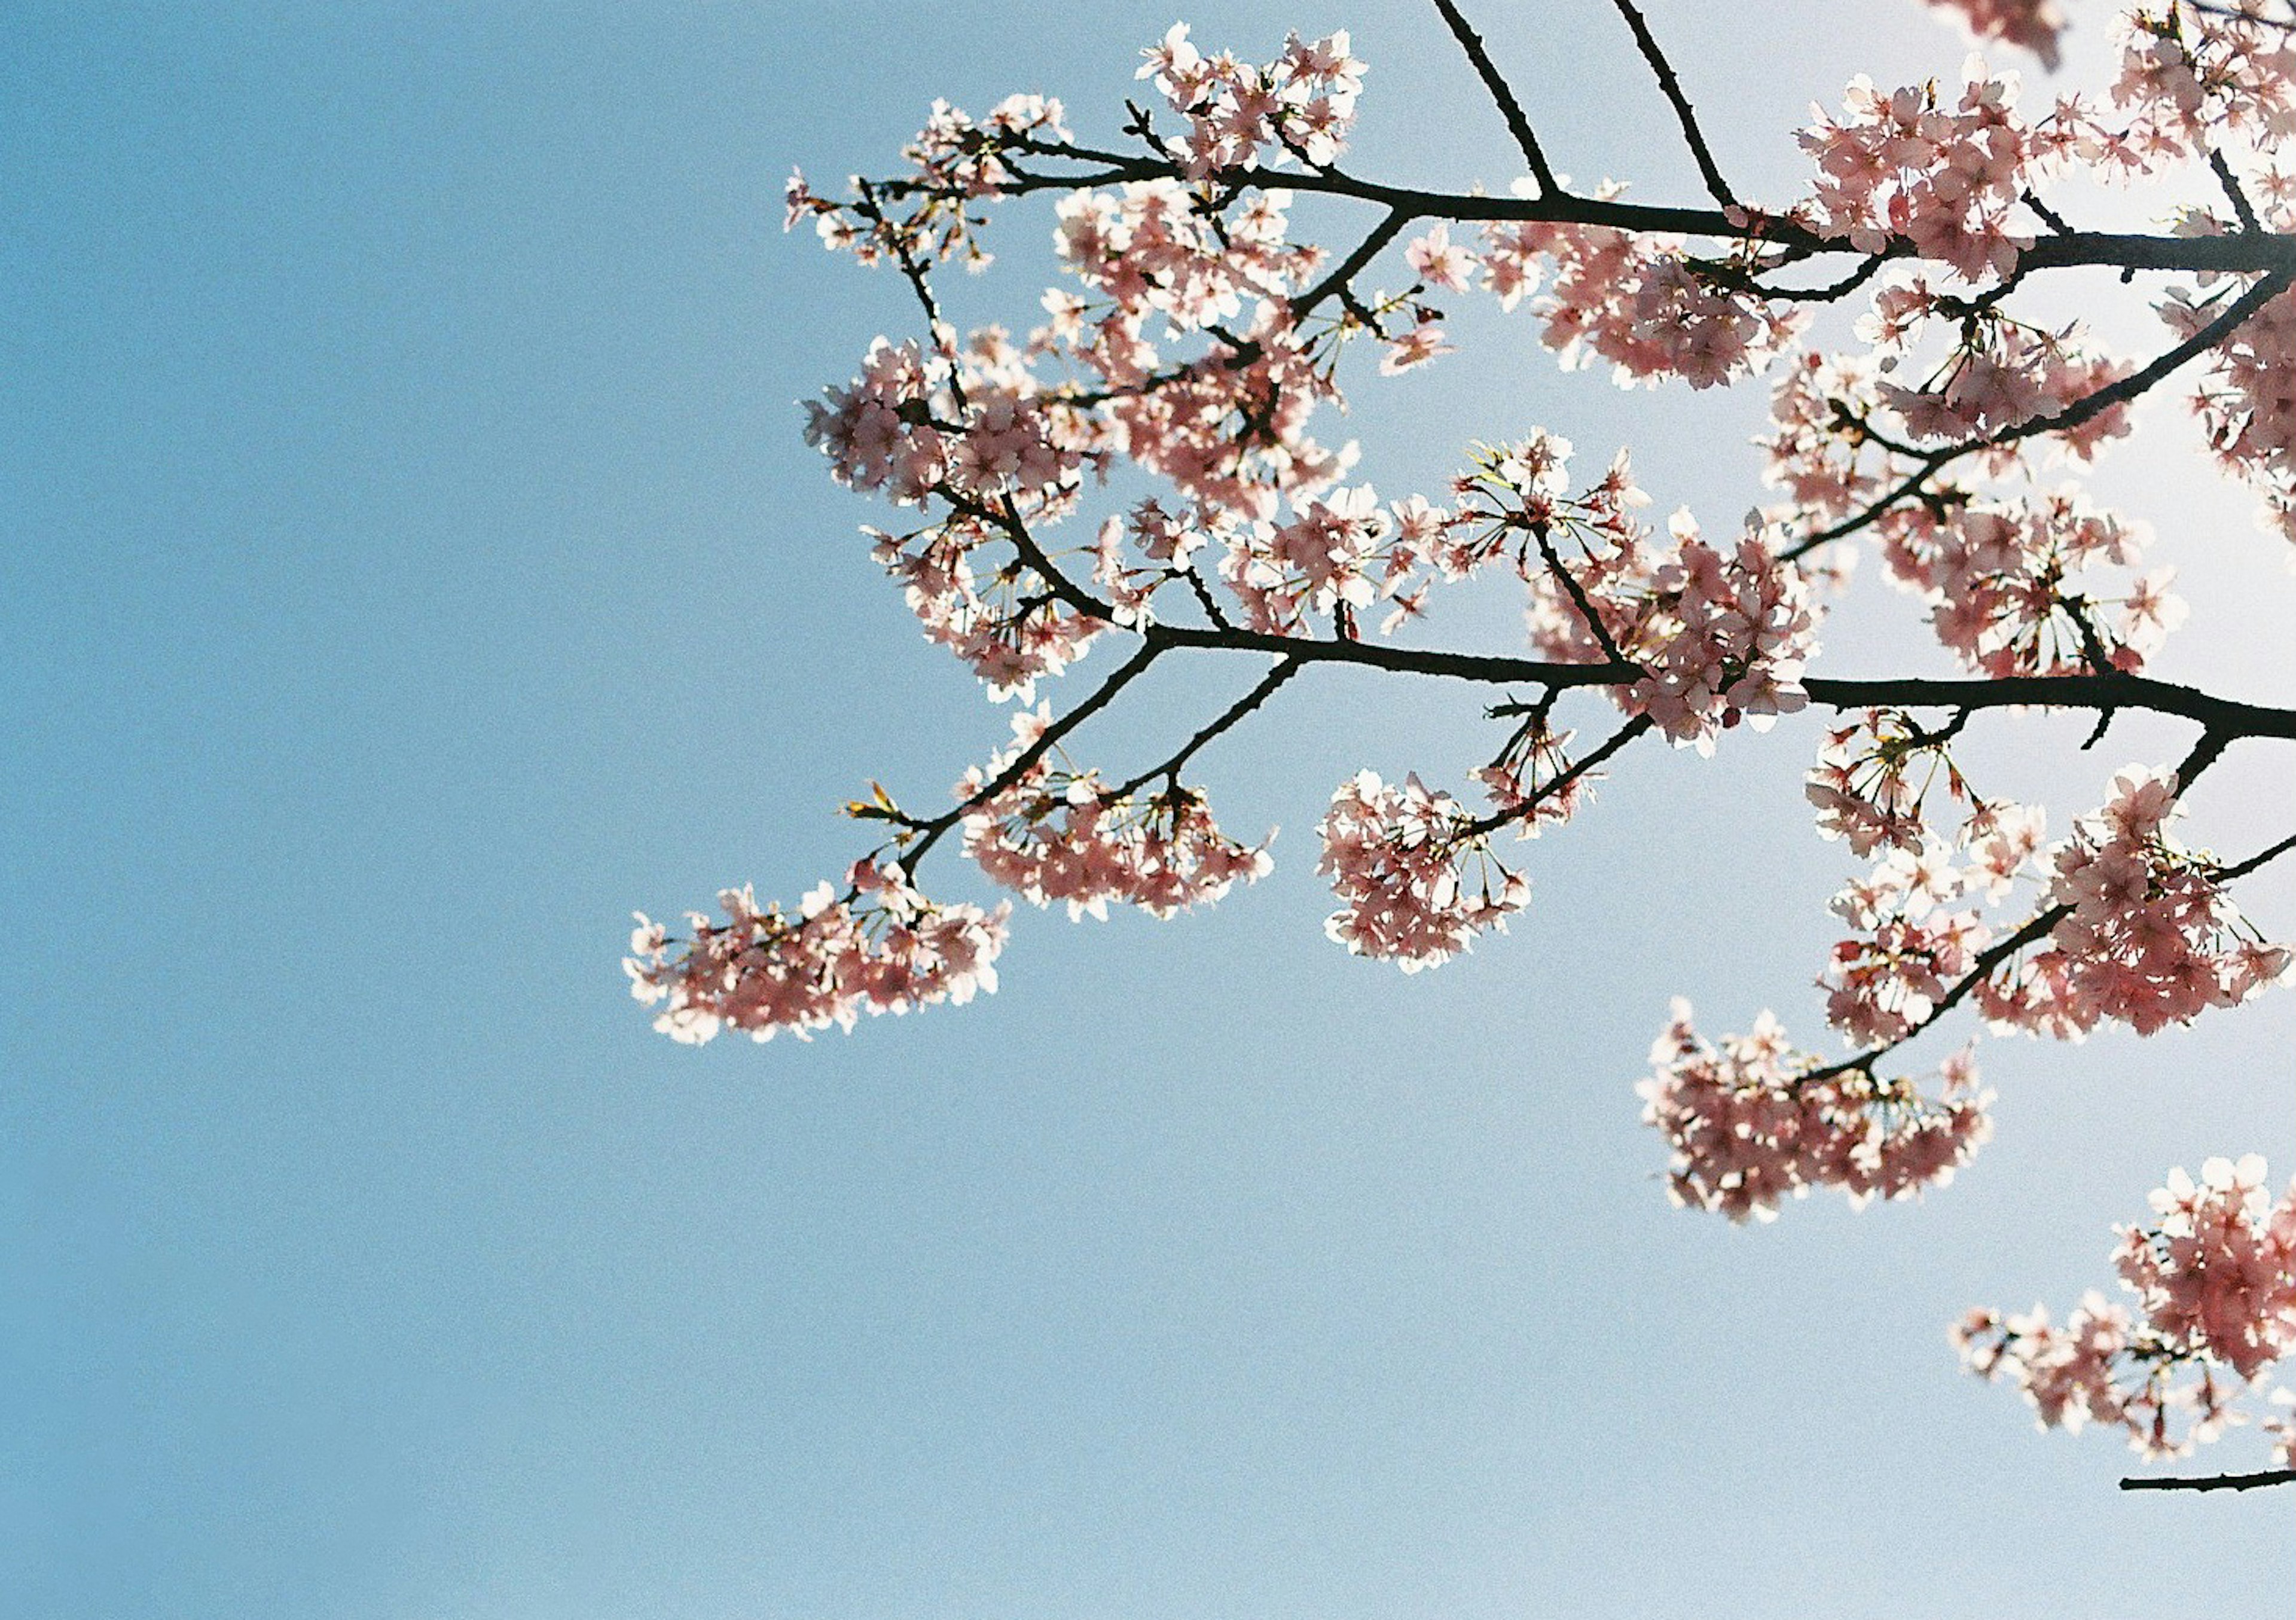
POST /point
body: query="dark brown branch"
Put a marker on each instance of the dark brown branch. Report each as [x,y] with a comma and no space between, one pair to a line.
[1235,714]
[1579,767]
[1126,673]
[1510,108]
[2232,191]
[2236,253]
[1349,268]
[2215,1482]
[2263,858]
[2230,717]
[1588,614]
[1716,187]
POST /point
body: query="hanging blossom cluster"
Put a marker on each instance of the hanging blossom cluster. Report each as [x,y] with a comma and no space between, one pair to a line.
[1918,932]
[2221,81]
[2145,935]
[1064,834]
[1227,423]
[881,948]
[1637,302]
[1872,780]
[916,427]
[1413,872]
[2135,928]
[2246,405]
[2014,582]
[1753,1121]
[2194,76]
[2008,592]
[2214,1281]
[1998,375]
[1909,944]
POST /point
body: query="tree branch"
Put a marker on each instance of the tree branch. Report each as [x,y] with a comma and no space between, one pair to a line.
[1510,108]
[2228,321]
[2235,253]
[1236,712]
[2214,1482]
[1716,187]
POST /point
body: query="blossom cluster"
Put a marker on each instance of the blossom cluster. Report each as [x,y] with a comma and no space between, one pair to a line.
[1908,946]
[880,948]
[955,161]
[1301,104]
[2145,933]
[2214,1280]
[1635,302]
[1399,856]
[2190,76]
[2007,591]
[2247,405]
[1752,1122]
[1227,427]
[1873,779]
[1906,165]
[1066,835]
[1008,636]
[2000,374]
[1721,636]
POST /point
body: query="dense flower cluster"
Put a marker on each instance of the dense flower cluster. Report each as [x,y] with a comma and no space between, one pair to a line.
[1721,636]
[1398,857]
[1753,1121]
[1319,561]
[1909,166]
[1873,777]
[2214,1277]
[1299,105]
[2217,1270]
[1637,302]
[2247,406]
[2004,581]
[2145,933]
[2193,74]
[2000,376]
[1908,946]
[1066,835]
[881,948]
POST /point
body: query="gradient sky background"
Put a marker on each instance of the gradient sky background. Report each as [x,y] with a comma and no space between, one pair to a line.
[412,565]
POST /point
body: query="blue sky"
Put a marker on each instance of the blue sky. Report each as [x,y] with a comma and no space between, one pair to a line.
[413,565]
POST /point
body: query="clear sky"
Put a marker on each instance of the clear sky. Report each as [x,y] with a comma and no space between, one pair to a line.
[409,564]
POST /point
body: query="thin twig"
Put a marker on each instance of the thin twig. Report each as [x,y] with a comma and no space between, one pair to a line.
[1716,187]
[1510,108]
[1236,712]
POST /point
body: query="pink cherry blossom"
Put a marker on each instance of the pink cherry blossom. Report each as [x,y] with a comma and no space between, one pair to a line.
[1416,878]
[881,948]
[2214,1280]
[1752,1122]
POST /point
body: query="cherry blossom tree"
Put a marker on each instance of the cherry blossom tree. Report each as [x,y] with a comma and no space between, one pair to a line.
[1148,466]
